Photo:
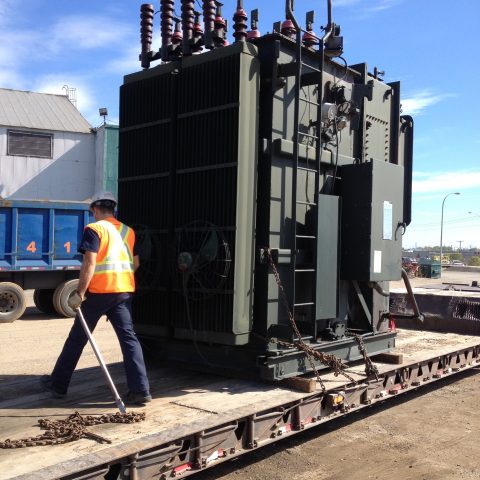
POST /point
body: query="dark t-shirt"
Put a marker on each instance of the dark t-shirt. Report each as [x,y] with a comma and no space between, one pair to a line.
[91,242]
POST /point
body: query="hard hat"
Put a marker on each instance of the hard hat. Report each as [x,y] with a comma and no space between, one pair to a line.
[103,199]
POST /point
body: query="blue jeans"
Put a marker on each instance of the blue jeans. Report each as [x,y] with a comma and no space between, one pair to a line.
[118,308]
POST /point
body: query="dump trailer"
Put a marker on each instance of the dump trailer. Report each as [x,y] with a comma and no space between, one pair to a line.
[38,250]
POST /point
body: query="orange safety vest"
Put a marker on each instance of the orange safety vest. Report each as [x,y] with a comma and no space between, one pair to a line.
[114,271]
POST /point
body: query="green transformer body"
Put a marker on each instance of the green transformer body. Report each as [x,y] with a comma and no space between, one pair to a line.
[245,160]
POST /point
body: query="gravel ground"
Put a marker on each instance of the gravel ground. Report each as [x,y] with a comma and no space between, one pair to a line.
[428,435]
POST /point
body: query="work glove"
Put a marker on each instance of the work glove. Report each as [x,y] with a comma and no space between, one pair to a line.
[75,300]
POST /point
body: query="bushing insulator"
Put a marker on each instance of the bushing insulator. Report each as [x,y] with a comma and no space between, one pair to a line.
[219,22]
[188,22]
[288,29]
[309,39]
[253,34]
[240,23]
[209,9]
[167,15]
[146,33]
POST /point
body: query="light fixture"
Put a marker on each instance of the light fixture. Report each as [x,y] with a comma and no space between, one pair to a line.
[103,112]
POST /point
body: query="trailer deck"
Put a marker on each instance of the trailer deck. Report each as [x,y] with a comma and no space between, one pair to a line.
[198,420]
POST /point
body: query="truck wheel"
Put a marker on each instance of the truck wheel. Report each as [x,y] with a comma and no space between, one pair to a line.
[61,295]
[12,302]
[43,299]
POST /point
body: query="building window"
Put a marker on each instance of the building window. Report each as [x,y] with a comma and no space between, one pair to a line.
[28,144]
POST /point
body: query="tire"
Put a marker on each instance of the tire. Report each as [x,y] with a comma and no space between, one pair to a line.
[61,295]
[12,302]
[43,299]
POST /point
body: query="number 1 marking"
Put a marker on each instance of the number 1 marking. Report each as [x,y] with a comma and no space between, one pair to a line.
[67,246]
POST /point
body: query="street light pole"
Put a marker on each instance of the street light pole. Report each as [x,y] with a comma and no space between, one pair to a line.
[441,227]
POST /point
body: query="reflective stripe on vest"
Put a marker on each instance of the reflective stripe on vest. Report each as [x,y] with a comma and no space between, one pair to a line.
[113,262]
[114,271]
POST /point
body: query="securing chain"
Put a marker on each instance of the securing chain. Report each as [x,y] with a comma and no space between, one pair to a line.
[370,368]
[326,359]
[72,428]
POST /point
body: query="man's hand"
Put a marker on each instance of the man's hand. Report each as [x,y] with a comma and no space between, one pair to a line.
[75,300]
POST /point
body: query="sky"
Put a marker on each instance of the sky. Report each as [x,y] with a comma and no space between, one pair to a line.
[429,45]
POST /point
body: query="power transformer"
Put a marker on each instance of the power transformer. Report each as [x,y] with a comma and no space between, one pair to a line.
[269,185]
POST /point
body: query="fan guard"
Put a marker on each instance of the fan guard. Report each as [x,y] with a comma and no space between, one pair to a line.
[202,259]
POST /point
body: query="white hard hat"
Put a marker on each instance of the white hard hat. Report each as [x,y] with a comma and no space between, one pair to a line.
[104,199]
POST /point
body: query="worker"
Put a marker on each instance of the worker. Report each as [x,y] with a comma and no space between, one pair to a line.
[105,287]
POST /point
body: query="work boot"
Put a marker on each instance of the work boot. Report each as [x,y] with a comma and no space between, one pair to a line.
[47,385]
[137,398]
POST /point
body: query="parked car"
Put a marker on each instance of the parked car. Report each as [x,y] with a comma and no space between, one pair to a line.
[457,263]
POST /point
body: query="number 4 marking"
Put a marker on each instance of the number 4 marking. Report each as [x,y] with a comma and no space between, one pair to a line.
[31,247]
[67,246]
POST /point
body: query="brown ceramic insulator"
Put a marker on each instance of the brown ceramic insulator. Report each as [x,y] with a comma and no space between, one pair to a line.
[146,33]
[177,36]
[146,26]
[288,29]
[197,34]
[219,35]
[253,34]
[309,39]
[219,20]
[166,14]
[188,22]
[197,27]
[209,9]
[240,23]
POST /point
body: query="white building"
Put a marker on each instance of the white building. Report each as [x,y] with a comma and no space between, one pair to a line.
[48,151]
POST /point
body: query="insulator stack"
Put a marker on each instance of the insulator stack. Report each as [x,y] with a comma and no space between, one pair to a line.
[288,29]
[197,34]
[146,33]
[309,38]
[226,43]
[167,15]
[220,26]
[177,35]
[254,32]
[188,22]
[240,23]
[209,9]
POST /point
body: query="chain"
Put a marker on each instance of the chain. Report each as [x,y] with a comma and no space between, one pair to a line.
[326,359]
[370,368]
[73,428]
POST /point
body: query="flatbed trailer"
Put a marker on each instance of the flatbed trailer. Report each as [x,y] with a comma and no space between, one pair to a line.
[197,420]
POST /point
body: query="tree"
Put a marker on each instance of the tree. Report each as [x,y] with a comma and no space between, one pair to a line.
[474,261]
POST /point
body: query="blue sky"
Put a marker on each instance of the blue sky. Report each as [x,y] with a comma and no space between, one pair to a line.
[429,45]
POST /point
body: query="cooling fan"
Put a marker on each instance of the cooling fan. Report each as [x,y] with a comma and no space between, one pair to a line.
[202,260]
[148,247]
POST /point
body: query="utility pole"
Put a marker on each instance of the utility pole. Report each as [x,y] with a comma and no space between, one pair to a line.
[441,228]
[460,242]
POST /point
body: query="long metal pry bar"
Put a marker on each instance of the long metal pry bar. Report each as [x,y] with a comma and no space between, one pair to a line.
[101,361]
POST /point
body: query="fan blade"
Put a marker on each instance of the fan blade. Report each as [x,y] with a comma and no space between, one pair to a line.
[208,250]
